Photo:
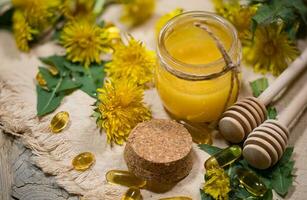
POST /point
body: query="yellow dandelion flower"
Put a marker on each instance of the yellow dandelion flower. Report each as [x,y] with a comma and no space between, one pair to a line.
[165,18]
[137,11]
[38,13]
[23,33]
[242,20]
[239,15]
[114,36]
[271,50]
[132,61]
[78,9]
[120,108]
[226,8]
[217,184]
[84,41]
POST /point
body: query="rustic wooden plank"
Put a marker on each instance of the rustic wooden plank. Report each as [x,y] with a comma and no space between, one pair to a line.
[5,169]
[20,179]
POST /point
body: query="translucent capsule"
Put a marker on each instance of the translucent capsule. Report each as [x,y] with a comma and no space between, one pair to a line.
[59,122]
[83,161]
[124,178]
[53,70]
[177,198]
[40,80]
[200,133]
[224,157]
[252,183]
[133,194]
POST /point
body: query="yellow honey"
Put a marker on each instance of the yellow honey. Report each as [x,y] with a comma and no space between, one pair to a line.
[133,194]
[124,178]
[188,56]
[59,121]
[83,161]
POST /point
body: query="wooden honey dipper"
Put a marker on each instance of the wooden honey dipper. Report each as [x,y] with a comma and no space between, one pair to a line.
[266,144]
[245,115]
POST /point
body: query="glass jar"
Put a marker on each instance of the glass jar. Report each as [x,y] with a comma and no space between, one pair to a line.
[188,57]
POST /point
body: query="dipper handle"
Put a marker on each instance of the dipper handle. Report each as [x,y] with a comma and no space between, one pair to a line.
[295,68]
[294,108]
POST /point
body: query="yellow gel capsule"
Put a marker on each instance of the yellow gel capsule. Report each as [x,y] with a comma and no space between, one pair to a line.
[53,70]
[252,183]
[40,80]
[133,194]
[124,178]
[83,161]
[59,122]
[177,198]
[201,134]
[224,157]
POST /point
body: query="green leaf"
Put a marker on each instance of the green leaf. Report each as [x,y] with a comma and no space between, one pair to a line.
[264,15]
[289,11]
[88,85]
[272,112]
[68,84]
[51,80]
[47,102]
[240,193]
[91,79]
[286,156]
[56,61]
[99,5]
[56,35]
[268,195]
[205,196]
[259,85]
[71,77]
[6,19]
[282,180]
[282,177]
[211,150]
[74,67]
[300,8]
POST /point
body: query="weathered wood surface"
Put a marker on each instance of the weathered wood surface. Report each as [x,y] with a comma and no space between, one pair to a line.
[20,179]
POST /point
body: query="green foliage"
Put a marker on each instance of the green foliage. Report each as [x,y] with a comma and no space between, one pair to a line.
[211,150]
[272,112]
[259,85]
[282,177]
[71,76]
[291,12]
[6,19]
[205,196]
[47,101]
[278,178]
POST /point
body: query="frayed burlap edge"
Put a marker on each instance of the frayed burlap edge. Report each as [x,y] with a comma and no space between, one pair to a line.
[52,153]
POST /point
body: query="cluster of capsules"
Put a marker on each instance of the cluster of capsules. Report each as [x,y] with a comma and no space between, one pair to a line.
[125,178]
[251,182]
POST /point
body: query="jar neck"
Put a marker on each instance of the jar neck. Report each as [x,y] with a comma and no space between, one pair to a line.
[196,72]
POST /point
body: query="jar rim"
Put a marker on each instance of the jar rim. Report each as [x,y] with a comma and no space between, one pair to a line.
[191,76]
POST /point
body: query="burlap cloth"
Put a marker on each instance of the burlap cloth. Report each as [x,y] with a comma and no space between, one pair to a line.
[53,153]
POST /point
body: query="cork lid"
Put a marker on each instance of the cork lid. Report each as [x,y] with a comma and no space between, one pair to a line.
[160,141]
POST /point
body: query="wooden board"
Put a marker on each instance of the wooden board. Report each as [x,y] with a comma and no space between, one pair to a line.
[20,179]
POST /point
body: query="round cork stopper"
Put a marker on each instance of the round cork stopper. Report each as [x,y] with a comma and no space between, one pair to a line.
[159,150]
